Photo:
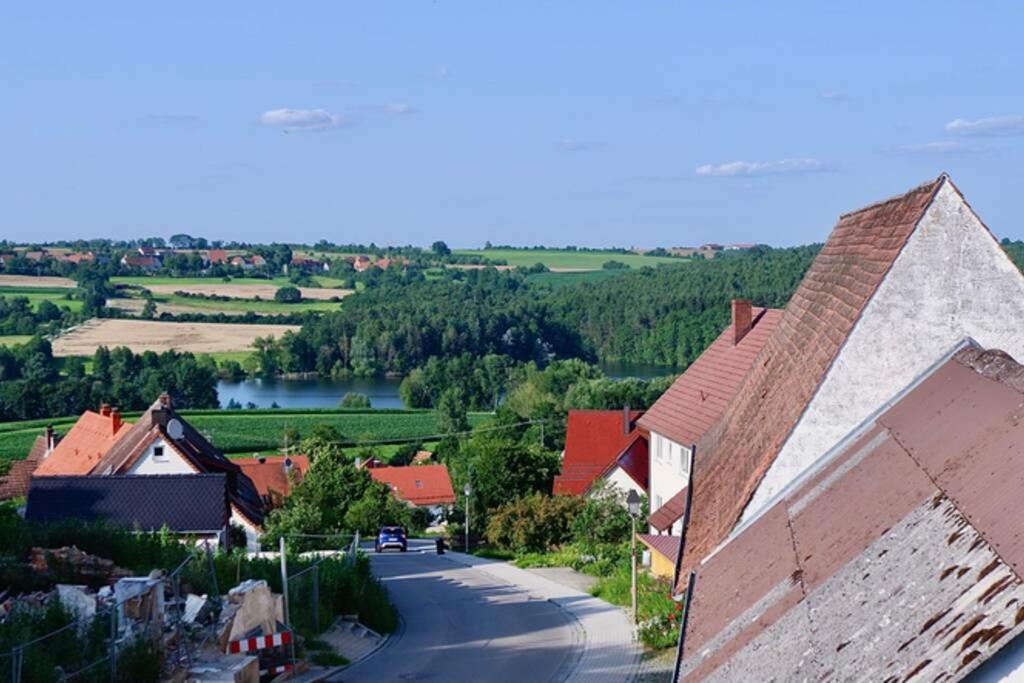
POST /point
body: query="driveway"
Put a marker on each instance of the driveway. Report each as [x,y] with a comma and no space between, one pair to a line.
[463,624]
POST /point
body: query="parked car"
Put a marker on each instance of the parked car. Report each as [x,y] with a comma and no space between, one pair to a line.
[391,537]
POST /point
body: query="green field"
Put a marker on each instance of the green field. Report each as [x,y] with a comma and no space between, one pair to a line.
[263,306]
[14,339]
[560,258]
[37,295]
[243,432]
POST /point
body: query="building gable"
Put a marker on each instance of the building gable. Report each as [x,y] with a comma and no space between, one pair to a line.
[161,457]
[952,280]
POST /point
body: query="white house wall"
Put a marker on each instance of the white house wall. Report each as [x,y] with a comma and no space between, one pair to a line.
[668,461]
[252,534]
[621,481]
[170,463]
[951,281]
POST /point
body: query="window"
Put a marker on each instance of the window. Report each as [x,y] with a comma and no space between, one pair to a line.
[684,461]
[158,453]
[419,484]
[658,502]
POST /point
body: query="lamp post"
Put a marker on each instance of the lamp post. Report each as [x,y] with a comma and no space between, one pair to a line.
[633,503]
[468,490]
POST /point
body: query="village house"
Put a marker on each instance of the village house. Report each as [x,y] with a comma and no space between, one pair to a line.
[193,505]
[897,285]
[423,486]
[161,442]
[248,262]
[274,476]
[305,265]
[679,418]
[602,446]
[143,262]
[217,257]
[895,556]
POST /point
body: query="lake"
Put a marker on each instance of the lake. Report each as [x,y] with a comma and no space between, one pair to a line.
[383,393]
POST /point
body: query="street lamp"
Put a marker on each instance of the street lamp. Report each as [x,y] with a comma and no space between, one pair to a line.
[633,504]
[468,490]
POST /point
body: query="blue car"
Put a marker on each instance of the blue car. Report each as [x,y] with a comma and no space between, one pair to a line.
[391,537]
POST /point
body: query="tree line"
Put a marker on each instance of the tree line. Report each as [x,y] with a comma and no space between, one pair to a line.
[34,384]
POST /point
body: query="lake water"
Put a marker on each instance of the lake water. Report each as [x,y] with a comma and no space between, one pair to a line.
[383,393]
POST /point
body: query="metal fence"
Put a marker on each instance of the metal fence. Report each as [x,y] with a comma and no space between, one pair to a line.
[102,645]
[94,647]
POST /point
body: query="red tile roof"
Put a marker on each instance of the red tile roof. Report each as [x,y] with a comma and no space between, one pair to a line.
[671,510]
[84,445]
[736,452]
[594,442]
[270,475]
[16,483]
[417,484]
[699,396]
[665,545]
[217,256]
[897,546]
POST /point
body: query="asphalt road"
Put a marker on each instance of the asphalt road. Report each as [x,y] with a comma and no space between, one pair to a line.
[461,624]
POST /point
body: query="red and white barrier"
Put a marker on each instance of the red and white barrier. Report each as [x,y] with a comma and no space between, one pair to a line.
[259,642]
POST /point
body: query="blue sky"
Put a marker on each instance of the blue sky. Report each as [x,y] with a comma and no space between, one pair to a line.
[668,123]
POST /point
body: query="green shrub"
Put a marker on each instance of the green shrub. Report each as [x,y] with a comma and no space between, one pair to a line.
[354,400]
[533,523]
[288,295]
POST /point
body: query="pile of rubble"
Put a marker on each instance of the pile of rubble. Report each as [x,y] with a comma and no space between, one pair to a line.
[239,637]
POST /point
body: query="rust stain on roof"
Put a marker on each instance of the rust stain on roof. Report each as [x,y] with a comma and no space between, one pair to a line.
[738,450]
[907,563]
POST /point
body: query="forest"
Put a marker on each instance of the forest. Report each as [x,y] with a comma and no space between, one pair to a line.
[34,384]
[665,315]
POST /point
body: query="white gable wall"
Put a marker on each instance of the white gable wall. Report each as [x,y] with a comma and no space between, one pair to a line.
[668,476]
[170,462]
[619,480]
[951,281]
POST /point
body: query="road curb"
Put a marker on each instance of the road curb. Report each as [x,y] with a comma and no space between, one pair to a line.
[384,640]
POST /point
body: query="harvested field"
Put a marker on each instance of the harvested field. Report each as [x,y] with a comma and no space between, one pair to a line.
[32,281]
[236,291]
[148,335]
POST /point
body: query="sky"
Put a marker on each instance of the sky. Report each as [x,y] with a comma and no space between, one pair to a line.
[588,123]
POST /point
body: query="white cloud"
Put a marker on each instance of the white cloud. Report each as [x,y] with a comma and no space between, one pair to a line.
[435,74]
[399,109]
[304,119]
[939,147]
[755,168]
[991,126]
[570,145]
[833,96]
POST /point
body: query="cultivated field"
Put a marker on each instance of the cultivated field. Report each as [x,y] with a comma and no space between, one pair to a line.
[243,432]
[246,291]
[560,260]
[31,281]
[147,335]
[37,295]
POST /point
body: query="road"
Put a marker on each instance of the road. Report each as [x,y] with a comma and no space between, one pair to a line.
[459,624]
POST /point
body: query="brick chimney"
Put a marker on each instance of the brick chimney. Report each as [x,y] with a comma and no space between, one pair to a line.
[165,400]
[51,439]
[105,409]
[115,420]
[742,319]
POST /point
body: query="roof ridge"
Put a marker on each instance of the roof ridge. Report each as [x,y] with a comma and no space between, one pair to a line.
[934,185]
